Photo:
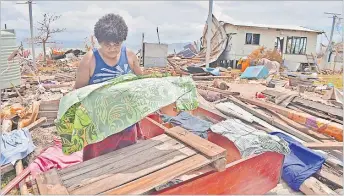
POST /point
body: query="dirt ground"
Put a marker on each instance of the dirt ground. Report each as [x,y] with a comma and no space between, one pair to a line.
[42,138]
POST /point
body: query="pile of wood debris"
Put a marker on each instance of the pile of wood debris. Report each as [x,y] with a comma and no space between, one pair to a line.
[289,110]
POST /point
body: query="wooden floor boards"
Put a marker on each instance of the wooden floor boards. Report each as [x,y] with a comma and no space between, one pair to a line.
[139,167]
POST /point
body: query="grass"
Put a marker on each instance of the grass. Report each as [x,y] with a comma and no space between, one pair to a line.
[6,179]
[336,80]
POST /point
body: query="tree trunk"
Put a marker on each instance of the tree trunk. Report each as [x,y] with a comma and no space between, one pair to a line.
[44,53]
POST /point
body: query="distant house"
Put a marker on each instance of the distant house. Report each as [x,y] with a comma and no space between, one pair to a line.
[292,41]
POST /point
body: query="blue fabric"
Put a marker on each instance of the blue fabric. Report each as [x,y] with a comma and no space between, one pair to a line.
[15,145]
[213,71]
[191,123]
[255,72]
[104,72]
[300,164]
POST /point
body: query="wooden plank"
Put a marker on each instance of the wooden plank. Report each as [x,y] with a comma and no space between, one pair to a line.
[104,168]
[150,181]
[325,146]
[321,125]
[274,121]
[319,106]
[312,112]
[330,178]
[6,168]
[95,186]
[309,103]
[52,105]
[209,149]
[124,152]
[49,183]
[312,186]
[22,186]
[301,128]
[224,92]
[37,123]
[48,114]
[219,165]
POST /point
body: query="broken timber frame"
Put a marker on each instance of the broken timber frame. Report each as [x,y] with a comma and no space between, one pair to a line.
[322,126]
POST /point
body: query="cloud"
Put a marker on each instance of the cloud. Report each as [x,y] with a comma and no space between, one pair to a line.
[181,21]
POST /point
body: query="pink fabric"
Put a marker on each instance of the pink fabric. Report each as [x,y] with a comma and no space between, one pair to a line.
[53,157]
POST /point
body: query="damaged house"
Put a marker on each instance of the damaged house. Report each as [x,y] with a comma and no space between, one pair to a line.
[297,45]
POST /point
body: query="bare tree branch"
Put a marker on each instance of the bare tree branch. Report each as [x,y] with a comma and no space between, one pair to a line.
[45,31]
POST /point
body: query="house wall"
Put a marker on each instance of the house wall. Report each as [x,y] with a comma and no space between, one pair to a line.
[267,38]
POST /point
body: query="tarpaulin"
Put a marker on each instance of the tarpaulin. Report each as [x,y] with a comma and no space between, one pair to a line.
[300,164]
[53,157]
[255,72]
[15,145]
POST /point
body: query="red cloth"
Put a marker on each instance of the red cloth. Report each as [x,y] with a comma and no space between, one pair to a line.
[53,157]
[114,142]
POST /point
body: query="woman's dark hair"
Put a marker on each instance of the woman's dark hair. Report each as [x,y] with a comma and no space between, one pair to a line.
[111,28]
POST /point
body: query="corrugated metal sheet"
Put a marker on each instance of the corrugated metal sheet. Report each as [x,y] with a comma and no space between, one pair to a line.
[9,70]
[155,55]
[218,45]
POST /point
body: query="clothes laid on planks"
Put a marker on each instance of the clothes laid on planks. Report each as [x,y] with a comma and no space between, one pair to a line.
[90,114]
[53,157]
[300,164]
[191,123]
[249,140]
[15,145]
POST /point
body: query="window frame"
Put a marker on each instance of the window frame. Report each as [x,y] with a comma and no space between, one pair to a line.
[299,41]
[252,39]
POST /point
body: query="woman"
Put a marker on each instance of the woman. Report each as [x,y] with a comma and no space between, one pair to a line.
[111,60]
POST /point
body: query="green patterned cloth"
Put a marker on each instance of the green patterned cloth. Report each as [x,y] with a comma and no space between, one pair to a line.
[92,113]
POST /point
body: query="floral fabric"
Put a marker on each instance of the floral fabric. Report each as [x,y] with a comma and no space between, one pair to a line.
[92,113]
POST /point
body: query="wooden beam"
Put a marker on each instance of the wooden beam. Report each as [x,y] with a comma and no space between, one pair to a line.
[308,103]
[313,112]
[325,146]
[22,185]
[321,125]
[330,178]
[209,149]
[224,92]
[274,121]
[37,123]
[301,128]
[6,168]
[312,186]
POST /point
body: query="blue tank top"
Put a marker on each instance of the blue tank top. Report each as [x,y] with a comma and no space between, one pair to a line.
[104,72]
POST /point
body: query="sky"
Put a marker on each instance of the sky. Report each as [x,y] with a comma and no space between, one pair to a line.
[178,21]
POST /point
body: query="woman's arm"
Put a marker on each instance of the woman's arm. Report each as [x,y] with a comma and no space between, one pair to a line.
[134,63]
[83,72]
